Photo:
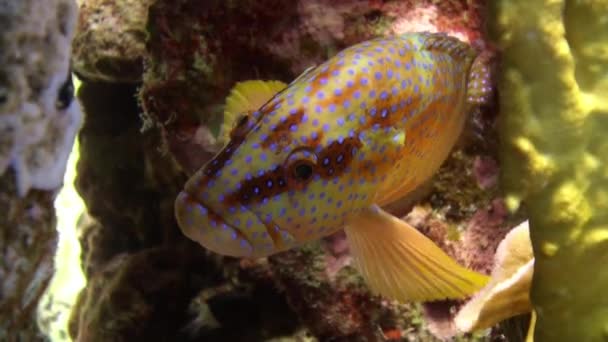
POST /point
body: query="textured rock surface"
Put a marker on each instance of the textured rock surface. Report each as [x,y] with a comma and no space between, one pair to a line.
[199,49]
[332,301]
[141,296]
[196,51]
[27,239]
[110,40]
[38,122]
[554,154]
[38,119]
[155,283]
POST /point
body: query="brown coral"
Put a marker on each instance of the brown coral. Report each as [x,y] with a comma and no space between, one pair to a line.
[110,40]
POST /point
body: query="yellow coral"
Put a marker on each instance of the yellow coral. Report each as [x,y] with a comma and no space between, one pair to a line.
[555,154]
[507,293]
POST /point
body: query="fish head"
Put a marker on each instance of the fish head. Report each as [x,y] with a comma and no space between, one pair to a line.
[284,178]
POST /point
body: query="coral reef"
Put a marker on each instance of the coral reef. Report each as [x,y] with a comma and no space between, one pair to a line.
[38,123]
[141,296]
[109,44]
[199,49]
[508,292]
[330,298]
[136,156]
[554,110]
[133,252]
[38,119]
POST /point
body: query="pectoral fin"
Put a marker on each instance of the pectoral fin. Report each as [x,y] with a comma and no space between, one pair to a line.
[401,263]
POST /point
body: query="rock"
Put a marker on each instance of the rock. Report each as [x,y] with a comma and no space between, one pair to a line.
[558,174]
[130,240]
[140,296]
[127,184]
[110,40]
[38,117]
[28,240]
[38,123]
[199,49]
[333,304]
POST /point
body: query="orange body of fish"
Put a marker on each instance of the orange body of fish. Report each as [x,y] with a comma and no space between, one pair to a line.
[325,152]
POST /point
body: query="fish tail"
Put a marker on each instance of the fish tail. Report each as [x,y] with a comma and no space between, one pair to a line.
[479,84]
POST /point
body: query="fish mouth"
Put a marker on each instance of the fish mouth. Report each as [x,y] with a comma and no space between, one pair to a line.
[202,222]
[234,232]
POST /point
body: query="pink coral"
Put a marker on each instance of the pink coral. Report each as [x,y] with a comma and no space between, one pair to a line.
[337,253]
[485,170]
[461,19]
[484,232]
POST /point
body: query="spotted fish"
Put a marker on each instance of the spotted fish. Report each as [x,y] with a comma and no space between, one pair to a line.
[324,153]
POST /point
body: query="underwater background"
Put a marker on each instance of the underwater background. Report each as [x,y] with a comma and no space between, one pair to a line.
[108,107]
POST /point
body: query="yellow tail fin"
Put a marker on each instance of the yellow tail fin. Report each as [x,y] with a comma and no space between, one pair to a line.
[401,263]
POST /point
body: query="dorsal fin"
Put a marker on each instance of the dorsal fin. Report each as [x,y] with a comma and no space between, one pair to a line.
[246,97]
[450,45]
[479,83]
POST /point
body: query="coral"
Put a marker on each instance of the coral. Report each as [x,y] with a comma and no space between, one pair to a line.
[28,239]
[198,50]
[249,308]
[462,19]
[132,250]
[486,172]
[182,103]
[337,306]
[141,296]
[465,215]
[554,158]
[123,193]
[132,166]
[110,40]
[474,248]
[180,292]
[128,212]
[38,123]
[486,228]
[38,119]
[508,292]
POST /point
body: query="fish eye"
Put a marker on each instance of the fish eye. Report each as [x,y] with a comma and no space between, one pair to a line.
[300,166]
[302,170]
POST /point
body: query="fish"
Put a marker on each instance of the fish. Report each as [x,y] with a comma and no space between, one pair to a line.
[327,151]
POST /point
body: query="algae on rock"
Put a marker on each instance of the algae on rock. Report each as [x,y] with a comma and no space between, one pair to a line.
[109,44]
[555,155]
